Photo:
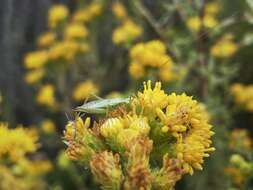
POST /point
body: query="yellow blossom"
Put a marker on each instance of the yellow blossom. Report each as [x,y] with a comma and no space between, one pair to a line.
[82,142]
[243,95]
[166,71]
[212,8]
[75,31]
[48,126]
[95,8]
[46,96]
[86,14]
[57,14]
[35,60]
[136,70]
[81,16]
[33,76]
[209,21]
[171,130]
[67,50]
[185,116]
[46,39]
[224,48]
[35,167]
[84,90]
[119,10]
[127,32]
[17,142]
[111,128]
[194,23]
[151,99]
[152,54]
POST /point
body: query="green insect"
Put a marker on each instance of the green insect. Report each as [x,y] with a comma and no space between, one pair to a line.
[101,106]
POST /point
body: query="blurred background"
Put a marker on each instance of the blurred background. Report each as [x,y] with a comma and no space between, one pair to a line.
[56,55]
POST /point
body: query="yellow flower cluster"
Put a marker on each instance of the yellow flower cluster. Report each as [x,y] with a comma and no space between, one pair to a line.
[243,95]
[208,21]
[62,45]
[225,47]
[86,14]
[57,14]
[172,130]
[128,31]
[35,75]
[184,119]
[46,96]
[16,170]
[46,39]
[15,143]
[75,31]
[119,10]
[35,60]
[48,126]
[67,50]
[84,90]
[145,57]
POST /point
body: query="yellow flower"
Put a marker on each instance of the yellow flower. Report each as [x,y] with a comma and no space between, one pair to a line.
[212,8]
[35,167]
[224,48]
[185,116]
[151,99]
[84,90]
[17,142]
[111,128]
[63,161]
[119,10]
[136,70]
[75,31]
[9,180]
[57,14]
[194,23]
[243,95]
[81,16]
[166,72]
[172,130]
[46,39]
[76,129]
[48,126]
[95,8]
[86,14]
[35,60]
[126,33]
[46,96]
[33,76]
[209,21]
[152,53]
[139,124]
[67,50]
[82,142]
